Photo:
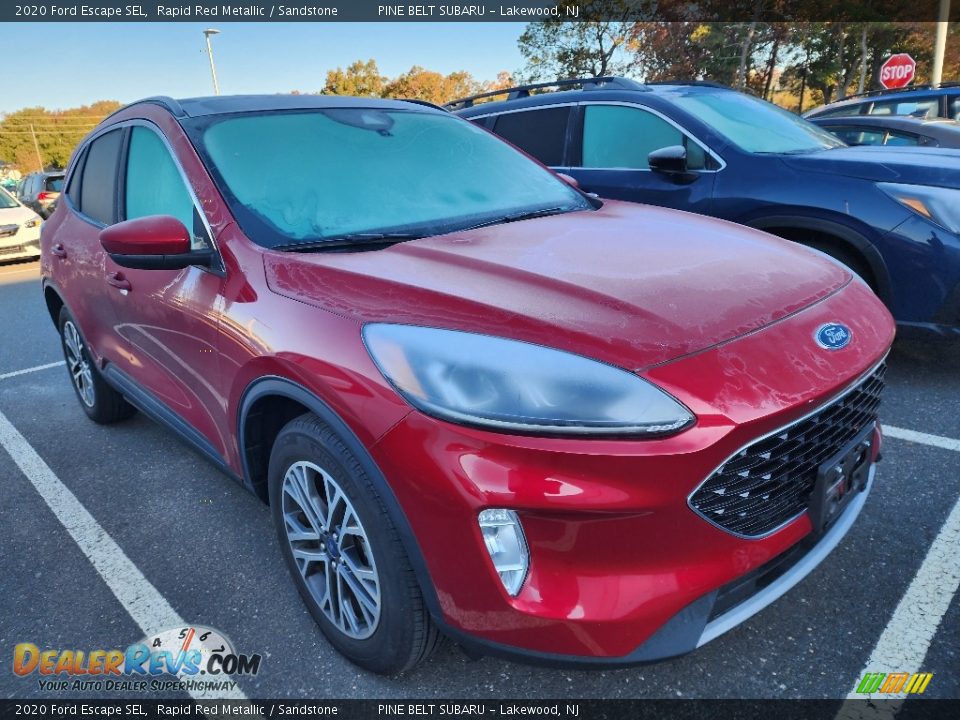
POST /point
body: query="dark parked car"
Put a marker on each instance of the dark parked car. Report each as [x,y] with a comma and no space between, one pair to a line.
[923,101]
[39,191]
[461,383]
[893,130]
[891,214]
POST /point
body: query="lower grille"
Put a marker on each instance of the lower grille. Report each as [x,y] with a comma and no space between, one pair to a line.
[768,483]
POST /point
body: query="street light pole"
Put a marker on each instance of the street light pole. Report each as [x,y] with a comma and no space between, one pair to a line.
[213,68]
[940,43]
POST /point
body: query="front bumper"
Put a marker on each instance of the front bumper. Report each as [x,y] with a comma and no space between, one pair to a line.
[622,570]
[699,623]
[24,243]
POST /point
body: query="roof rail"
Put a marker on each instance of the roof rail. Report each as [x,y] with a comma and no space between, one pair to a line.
[522,91]
[425,103]
[162,100]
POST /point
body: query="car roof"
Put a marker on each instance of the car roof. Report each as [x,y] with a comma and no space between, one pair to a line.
[222,104]
[904,122]
[593,88]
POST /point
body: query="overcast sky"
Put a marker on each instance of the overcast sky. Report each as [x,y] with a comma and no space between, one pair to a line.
[71,64]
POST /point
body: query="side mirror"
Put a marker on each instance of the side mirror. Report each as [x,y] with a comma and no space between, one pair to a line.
[671,160]
[155,242]
[569,180]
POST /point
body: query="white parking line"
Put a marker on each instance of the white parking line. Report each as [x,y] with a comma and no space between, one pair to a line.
[148,608]
[903,645]
[15,373]
[922,438]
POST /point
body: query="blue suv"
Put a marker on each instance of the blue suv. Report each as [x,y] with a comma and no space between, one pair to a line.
[890,214]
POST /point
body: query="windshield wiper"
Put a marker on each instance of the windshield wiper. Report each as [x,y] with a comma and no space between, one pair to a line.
[350,239]
[517,216]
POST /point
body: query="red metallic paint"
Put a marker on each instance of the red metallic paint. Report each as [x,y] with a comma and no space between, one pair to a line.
[157,235]
[720,316]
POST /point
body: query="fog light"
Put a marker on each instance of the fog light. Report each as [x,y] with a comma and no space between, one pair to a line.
[503,536]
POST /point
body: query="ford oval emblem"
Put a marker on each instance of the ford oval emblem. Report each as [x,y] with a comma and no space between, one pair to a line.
[833,336]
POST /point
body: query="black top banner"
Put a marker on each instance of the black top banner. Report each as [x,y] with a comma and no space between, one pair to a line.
[479,11]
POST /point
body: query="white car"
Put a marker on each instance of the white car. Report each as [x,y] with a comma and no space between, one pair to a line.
[19,229]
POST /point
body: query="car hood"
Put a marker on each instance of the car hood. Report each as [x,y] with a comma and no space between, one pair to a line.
[16,215]
[921,166]
[629,284]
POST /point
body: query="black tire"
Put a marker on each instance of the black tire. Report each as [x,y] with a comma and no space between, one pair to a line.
[99,401]
[404,634]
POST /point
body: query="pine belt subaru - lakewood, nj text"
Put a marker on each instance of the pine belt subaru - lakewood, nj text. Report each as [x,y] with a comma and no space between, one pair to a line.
[479,402]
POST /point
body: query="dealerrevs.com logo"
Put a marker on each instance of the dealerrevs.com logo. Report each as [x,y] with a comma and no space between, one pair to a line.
[200,657]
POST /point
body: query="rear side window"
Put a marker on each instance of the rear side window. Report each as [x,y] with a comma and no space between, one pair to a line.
[616,136]
[73,188]
[54,183]
[154,185]
[858,136]
[902,139]
[918,107]
[98,187]
[540,133]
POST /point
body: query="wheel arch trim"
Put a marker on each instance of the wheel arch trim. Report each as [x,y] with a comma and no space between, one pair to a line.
[278,386]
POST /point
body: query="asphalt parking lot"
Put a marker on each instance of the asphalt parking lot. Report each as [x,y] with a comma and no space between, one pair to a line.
[885,600]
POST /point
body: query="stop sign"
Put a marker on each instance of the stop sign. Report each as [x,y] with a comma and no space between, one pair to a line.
[897,71]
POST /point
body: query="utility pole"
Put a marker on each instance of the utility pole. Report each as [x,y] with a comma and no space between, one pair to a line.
[36,146]
[213,68]
[861,86]
[940,43]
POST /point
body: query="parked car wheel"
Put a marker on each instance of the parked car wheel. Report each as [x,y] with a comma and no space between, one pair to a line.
[99,401]
[344,552]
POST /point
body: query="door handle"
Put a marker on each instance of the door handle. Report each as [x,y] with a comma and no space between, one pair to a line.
[118,281]
[59,250]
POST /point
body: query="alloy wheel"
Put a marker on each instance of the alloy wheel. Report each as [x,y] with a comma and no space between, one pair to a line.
[331,549]
[78,363]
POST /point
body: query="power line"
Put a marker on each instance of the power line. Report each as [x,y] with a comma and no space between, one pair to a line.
[98,118]
[27,132]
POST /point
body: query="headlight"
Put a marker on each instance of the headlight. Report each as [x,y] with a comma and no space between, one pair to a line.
[33,222]
[937,204]
[514,386]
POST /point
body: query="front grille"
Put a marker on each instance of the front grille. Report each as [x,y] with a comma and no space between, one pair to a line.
[768,483]
[8,230]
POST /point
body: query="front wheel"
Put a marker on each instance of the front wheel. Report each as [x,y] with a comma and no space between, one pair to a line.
[344,552]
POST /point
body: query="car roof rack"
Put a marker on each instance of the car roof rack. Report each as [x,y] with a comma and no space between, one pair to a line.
[894,91]
[522,91]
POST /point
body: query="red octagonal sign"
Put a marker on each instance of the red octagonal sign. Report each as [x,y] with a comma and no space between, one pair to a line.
[897,71]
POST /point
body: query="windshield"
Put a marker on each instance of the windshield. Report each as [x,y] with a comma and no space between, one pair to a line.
[6,201]
[755,125]
[309,176]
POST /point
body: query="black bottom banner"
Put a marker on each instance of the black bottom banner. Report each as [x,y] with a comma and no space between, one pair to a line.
[915,709]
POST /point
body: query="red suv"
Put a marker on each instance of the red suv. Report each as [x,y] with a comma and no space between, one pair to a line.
[478,401]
